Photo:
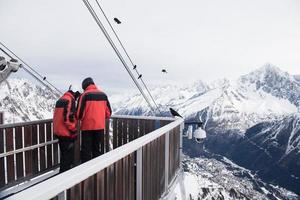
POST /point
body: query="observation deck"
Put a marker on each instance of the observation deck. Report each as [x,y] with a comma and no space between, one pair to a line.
[141,159]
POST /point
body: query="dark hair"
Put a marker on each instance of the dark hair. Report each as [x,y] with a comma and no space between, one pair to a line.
[86,82]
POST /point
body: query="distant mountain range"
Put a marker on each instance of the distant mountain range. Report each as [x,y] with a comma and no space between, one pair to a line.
[265,94]
[253,120]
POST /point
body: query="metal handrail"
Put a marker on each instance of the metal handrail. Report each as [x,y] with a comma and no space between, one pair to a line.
[25,123]
[143,117]
[55,141]
[27,148]
[50,188]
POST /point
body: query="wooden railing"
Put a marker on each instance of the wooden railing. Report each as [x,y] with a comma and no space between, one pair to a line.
[26,150]
[30,149]
[143,163]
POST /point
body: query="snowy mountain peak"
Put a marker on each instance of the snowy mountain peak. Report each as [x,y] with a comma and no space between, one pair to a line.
[220,83]
[267,73]
[200,86]
[270,68]
[274,81]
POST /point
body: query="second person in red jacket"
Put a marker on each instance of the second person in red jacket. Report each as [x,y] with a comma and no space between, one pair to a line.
[65,128]
[93,110]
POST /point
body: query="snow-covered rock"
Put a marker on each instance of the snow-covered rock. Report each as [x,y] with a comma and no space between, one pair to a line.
[21,100]
[219,178]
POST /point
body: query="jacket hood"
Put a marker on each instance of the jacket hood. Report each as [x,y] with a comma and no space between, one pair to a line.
[70,94]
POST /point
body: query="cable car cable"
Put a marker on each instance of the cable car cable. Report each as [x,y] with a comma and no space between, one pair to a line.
[29,72]
[39,80]
[92,11]
[6,53]
[99,23]
[31,68]
[119,40]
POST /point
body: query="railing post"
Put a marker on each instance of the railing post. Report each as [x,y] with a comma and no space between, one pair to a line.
[139,174]
[181,177]
[62,195]
[1,118]
[181,146]
[157,124]
[167,160]
[5,158]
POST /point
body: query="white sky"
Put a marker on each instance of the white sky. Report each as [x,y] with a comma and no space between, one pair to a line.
[192,39]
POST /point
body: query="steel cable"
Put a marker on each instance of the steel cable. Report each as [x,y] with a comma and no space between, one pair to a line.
[119,40]
[29,72]
[101,26]
[31,68]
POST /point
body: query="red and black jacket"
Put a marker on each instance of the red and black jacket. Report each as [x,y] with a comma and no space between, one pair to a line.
[64,122]
[93,109]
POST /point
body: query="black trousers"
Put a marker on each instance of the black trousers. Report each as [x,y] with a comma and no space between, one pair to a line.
[90,144]
[66,146]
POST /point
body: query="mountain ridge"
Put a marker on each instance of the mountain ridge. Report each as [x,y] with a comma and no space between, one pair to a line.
[254,97]
[21,100]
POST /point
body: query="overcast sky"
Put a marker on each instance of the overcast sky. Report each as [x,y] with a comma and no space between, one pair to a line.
[192,39]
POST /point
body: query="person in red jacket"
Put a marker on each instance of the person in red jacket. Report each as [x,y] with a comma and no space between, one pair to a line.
[93,110]
[65,128]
